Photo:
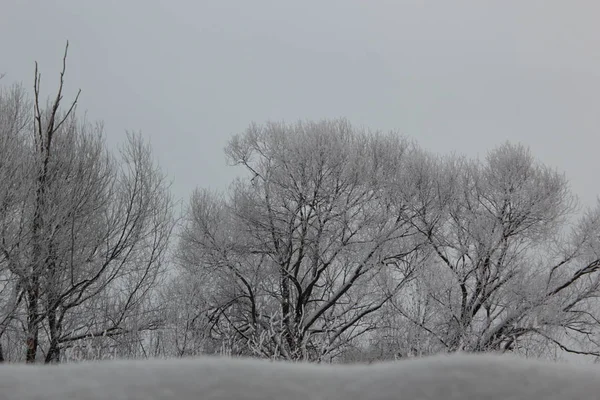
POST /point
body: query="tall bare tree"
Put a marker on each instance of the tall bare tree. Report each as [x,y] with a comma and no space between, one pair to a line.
[87,241]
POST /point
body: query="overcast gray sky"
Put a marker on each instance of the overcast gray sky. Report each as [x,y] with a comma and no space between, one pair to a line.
[455,75]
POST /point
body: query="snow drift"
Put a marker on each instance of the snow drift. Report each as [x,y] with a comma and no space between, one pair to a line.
[490,377]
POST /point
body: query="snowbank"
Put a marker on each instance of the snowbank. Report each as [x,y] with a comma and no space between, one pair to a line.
[489,377]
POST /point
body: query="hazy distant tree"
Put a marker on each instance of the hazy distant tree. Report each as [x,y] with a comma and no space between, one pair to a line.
[303,252]
[185,331]
[84,233]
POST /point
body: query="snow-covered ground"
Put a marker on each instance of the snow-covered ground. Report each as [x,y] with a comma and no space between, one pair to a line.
[468,377]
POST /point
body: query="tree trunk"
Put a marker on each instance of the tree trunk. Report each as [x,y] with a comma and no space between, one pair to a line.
[53,355]
[33,294]
[285,311]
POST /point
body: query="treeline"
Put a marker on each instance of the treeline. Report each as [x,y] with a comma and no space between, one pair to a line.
[335,244]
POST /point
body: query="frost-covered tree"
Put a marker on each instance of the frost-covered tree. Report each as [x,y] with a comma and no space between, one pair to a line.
[512,271]
[83,231]
[302,253]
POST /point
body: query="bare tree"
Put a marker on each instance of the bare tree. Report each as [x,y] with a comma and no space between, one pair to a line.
[507,273]
[309,247]
[88,242]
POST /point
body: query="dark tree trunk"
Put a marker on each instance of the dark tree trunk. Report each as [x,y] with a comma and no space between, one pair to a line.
[32,321]
[53,355]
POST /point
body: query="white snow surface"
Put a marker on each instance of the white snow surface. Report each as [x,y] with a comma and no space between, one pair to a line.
[459,376]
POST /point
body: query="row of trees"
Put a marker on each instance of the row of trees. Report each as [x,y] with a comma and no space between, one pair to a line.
[341,243]
[334,244]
